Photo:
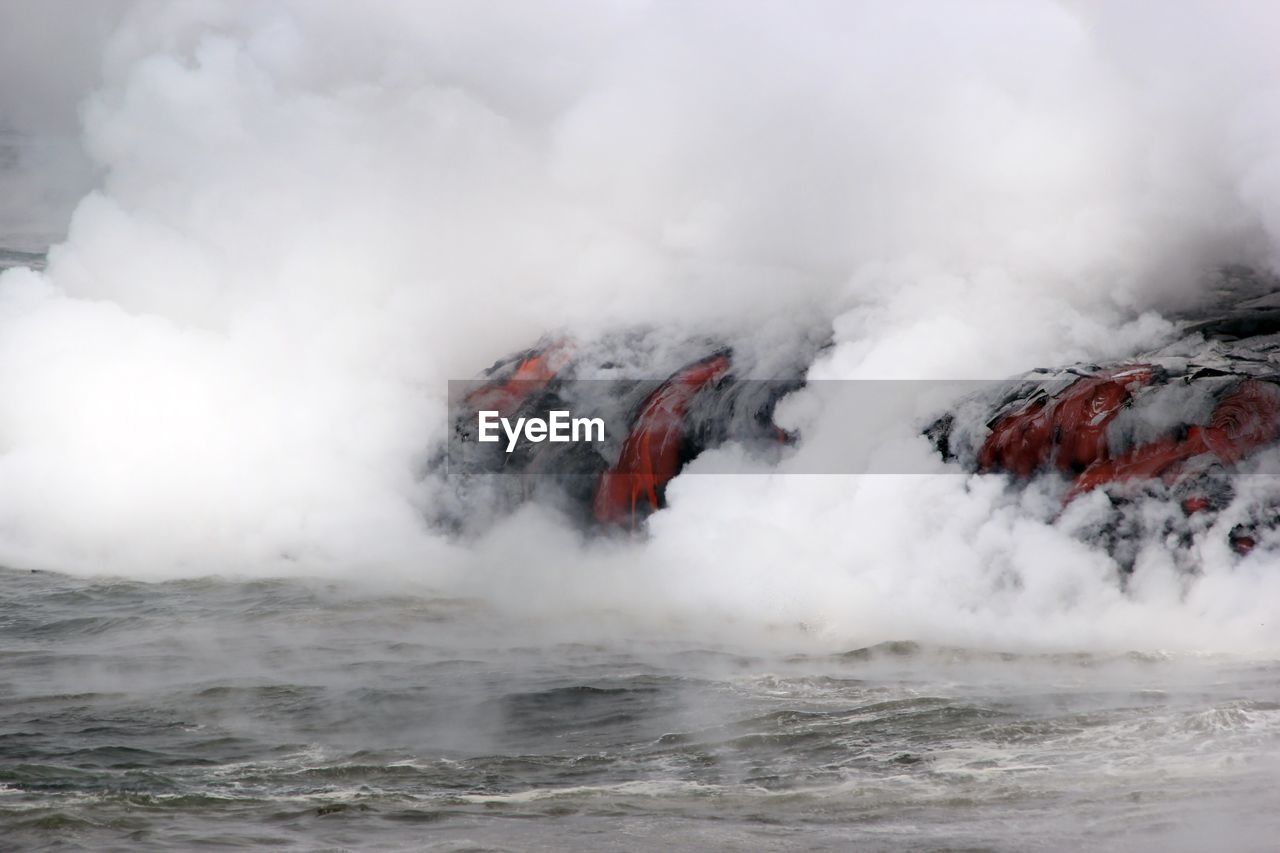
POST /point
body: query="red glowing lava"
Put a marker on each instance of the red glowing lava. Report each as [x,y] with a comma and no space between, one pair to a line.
[650,455]
[1068,431]
[1244,420]
[531,375]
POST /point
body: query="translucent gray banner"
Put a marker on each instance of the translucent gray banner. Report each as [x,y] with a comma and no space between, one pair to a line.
[729,426]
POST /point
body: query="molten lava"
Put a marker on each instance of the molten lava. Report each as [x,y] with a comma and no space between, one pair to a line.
[532,374]
[1244,420]
[651,453]
[1068,431]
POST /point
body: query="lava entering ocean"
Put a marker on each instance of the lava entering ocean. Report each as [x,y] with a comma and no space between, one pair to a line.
[1175,424]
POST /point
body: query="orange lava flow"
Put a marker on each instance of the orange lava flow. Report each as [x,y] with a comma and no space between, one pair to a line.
[530,376]
[1244,420]
[650,455]
[1068,431]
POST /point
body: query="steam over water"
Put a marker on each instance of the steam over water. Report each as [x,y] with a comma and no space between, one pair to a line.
[244,248]
[202,712]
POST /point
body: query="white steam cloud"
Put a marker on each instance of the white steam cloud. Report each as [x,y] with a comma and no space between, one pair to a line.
[312,214]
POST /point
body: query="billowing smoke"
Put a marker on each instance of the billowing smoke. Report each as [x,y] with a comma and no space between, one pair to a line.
[310,215]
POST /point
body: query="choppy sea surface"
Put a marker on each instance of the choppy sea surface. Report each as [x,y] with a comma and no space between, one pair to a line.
[321,715]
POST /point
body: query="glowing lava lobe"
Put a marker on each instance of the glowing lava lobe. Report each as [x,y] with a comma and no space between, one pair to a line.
[1068,430]
[650,456]
[534,372]
[1244,420]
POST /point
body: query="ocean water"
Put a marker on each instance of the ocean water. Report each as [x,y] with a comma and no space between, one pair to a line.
[328,715]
